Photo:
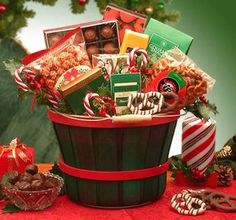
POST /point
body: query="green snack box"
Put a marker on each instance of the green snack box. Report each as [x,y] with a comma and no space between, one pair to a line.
[76,90]
[122,85]
[164,37]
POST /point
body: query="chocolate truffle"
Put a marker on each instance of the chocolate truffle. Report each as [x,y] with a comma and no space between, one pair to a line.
[90,34]
[27,177]
[92,49]
[106,31]
[13,177]
[37,185]
[32,169]
[109,47]
[23,185]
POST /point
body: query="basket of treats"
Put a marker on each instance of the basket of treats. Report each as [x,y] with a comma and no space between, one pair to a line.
[114,112]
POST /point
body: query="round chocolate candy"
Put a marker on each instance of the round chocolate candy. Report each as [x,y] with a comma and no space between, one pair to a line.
[90,34]
[92,49]
[37,185]
[23,185]
[38,176]
[27,177]
[13,177]
[107,31]
[109,47]
[32,169]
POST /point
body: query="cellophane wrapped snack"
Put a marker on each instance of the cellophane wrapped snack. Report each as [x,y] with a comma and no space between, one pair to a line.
[198,82]
[67,53]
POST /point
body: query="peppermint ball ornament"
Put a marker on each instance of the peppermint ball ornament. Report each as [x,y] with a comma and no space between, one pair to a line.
[3,8]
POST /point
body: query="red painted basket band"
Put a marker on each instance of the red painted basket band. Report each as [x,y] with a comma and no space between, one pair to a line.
[113,175]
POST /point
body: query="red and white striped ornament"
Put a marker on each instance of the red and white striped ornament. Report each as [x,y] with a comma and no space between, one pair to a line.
[18,79]
[198,143]
[131,62]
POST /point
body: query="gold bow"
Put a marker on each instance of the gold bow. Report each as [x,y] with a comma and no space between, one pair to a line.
[16,148]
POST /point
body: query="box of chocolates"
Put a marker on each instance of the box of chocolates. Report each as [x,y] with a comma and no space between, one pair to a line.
[53,35]
[164,37]
[101,37]
[126,19]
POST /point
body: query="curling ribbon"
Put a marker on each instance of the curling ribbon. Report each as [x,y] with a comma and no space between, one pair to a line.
[16,149]
[198,143]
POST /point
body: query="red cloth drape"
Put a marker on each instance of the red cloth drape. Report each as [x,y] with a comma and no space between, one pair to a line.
[65,209]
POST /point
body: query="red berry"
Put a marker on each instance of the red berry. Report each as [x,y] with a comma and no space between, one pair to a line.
[149,71]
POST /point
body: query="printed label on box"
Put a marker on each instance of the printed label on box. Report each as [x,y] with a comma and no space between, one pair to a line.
[158,45]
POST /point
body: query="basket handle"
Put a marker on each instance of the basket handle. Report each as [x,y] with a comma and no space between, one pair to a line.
[127,119]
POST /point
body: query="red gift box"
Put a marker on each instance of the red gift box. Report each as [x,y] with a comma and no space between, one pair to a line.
[15,156]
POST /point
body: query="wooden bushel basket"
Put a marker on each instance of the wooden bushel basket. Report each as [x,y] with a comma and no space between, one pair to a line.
[110,163]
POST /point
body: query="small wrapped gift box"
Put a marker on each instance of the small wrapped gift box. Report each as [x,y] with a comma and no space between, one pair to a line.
[15,156]
[113,63]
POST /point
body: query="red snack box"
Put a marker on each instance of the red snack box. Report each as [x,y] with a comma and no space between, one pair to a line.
[15,156]
[126,19]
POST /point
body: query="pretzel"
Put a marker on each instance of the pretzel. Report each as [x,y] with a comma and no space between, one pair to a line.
[144,103]
[185,204]
[215,200]
[196,80]
[169,106]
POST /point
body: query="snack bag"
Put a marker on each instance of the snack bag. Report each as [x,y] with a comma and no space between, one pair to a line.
[197,81]
[65,54]
[42,69]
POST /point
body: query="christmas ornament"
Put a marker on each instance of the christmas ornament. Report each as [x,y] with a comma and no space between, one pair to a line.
[225,175]
[149,10]
[3,8]
[160,5]
[81,2]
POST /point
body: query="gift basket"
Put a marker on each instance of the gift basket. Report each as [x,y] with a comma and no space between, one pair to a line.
[114,103]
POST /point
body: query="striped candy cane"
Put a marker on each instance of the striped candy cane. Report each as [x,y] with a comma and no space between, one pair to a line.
[131,62]
[18,79]
[87,105]
[53,97]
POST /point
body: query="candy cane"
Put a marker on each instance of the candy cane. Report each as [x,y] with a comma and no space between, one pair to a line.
[18,79]
[132,59]
[54,97]
[102,102]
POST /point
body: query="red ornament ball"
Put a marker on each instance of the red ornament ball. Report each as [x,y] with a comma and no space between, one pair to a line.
[3,8]
[81,2]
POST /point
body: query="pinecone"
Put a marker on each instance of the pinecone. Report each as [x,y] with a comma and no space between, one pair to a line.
[225,175]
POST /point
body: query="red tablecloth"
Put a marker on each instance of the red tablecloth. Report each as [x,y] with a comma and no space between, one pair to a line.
[65,209]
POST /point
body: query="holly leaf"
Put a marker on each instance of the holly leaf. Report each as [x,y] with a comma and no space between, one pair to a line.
[202,110]
[10,208]
[11,65]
